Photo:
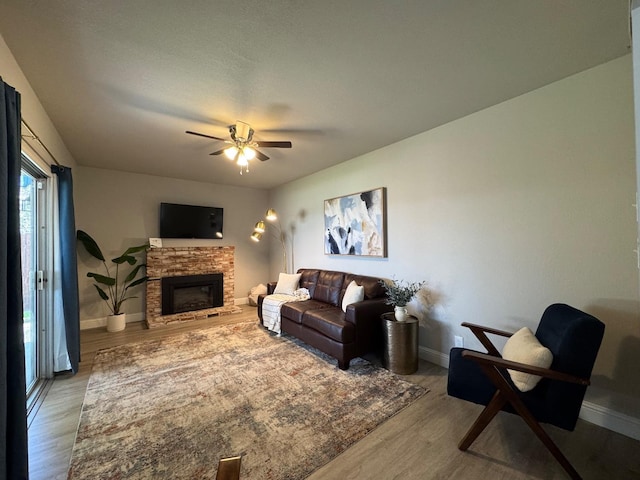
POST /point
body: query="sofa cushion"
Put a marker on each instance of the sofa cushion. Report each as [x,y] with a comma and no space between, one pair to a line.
[329,287]
[295,310]
[331,323]
[309,279]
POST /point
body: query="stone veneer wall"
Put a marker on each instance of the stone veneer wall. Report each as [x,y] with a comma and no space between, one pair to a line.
[179,261]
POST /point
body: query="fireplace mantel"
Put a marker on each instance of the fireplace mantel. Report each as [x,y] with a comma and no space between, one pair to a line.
[179,261]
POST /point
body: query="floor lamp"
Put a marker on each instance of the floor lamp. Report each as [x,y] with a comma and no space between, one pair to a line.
[261,227]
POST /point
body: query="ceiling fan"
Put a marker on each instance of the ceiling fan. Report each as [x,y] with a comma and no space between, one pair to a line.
[242,147]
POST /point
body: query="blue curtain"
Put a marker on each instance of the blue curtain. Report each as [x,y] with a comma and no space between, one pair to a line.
[13,409]
[69,266]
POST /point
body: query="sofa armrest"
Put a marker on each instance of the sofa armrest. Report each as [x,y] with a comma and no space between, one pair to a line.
[365,316]
[367,310]
[271,286]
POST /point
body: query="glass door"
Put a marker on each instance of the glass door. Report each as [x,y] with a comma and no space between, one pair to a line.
[32,241]
[29,252]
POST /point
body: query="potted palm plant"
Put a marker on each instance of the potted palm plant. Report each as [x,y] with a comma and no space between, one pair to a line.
[112,287]
[399,294]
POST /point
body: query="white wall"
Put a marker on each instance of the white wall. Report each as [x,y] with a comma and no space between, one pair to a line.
[34,114]
[120,210]
[503,212]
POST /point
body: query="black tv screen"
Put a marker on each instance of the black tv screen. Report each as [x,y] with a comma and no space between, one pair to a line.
[190,221]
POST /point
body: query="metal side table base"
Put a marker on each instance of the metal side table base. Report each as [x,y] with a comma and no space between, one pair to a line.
[400,344]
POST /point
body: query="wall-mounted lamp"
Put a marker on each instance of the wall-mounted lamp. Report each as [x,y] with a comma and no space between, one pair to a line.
[261,227]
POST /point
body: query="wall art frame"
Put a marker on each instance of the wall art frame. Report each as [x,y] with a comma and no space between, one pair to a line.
[356,224]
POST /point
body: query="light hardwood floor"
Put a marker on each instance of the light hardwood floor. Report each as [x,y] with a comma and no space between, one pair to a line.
[418,443]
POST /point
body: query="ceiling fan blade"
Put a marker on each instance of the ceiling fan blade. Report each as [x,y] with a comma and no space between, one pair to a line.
[217,152]
[274,144]
[203,135]
[261,156]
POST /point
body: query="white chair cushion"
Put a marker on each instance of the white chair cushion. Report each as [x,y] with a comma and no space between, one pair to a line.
[287,283]
[524,347]
[255,292]
[354,293]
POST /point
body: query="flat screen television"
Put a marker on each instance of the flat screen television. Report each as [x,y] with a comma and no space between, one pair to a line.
[190,221]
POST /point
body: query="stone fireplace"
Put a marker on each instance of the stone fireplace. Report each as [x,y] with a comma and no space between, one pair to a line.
[189,283]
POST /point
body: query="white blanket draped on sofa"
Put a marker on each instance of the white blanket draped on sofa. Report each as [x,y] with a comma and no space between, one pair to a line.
[271,307]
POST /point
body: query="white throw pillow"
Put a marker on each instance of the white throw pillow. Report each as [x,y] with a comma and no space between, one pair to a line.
[354,293]
[287,283]
[524,347]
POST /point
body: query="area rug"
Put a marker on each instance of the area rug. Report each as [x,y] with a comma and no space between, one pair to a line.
[172,408]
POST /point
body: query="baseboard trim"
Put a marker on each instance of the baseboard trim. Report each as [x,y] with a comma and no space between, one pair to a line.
[590,412]
[433,356]
[610,419]
[88,323]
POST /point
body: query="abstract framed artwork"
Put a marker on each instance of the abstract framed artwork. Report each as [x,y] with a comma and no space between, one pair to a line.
[356,224]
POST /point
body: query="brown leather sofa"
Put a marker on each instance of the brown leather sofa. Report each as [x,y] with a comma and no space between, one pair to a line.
[320,321]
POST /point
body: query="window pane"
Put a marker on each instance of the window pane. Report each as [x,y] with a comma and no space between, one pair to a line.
[28,237]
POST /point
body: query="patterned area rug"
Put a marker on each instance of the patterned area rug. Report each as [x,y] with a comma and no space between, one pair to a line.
[172,408]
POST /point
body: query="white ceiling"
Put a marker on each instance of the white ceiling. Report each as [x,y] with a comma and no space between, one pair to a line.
[123,79]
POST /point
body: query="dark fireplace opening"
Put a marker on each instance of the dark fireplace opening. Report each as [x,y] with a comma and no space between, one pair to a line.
[191,292]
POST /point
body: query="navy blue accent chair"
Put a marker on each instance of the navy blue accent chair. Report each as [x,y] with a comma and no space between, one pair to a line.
[574,339]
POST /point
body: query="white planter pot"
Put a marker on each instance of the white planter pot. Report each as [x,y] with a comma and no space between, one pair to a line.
[400,313]
[116,323]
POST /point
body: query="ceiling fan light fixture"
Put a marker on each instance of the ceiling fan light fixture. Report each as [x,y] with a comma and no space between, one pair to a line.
[231,152]
[241,148]
[242,160]
[249,153]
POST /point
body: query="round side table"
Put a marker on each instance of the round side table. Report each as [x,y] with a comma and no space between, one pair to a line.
[400,344]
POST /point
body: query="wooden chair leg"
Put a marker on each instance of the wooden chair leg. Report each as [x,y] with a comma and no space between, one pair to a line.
[490,411]
[551,446]
[512,397]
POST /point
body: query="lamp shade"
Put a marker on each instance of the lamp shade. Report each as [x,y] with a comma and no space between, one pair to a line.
[242,160]
[249,153]
[260,227]
[256,236]
[231,152]
[271,215]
